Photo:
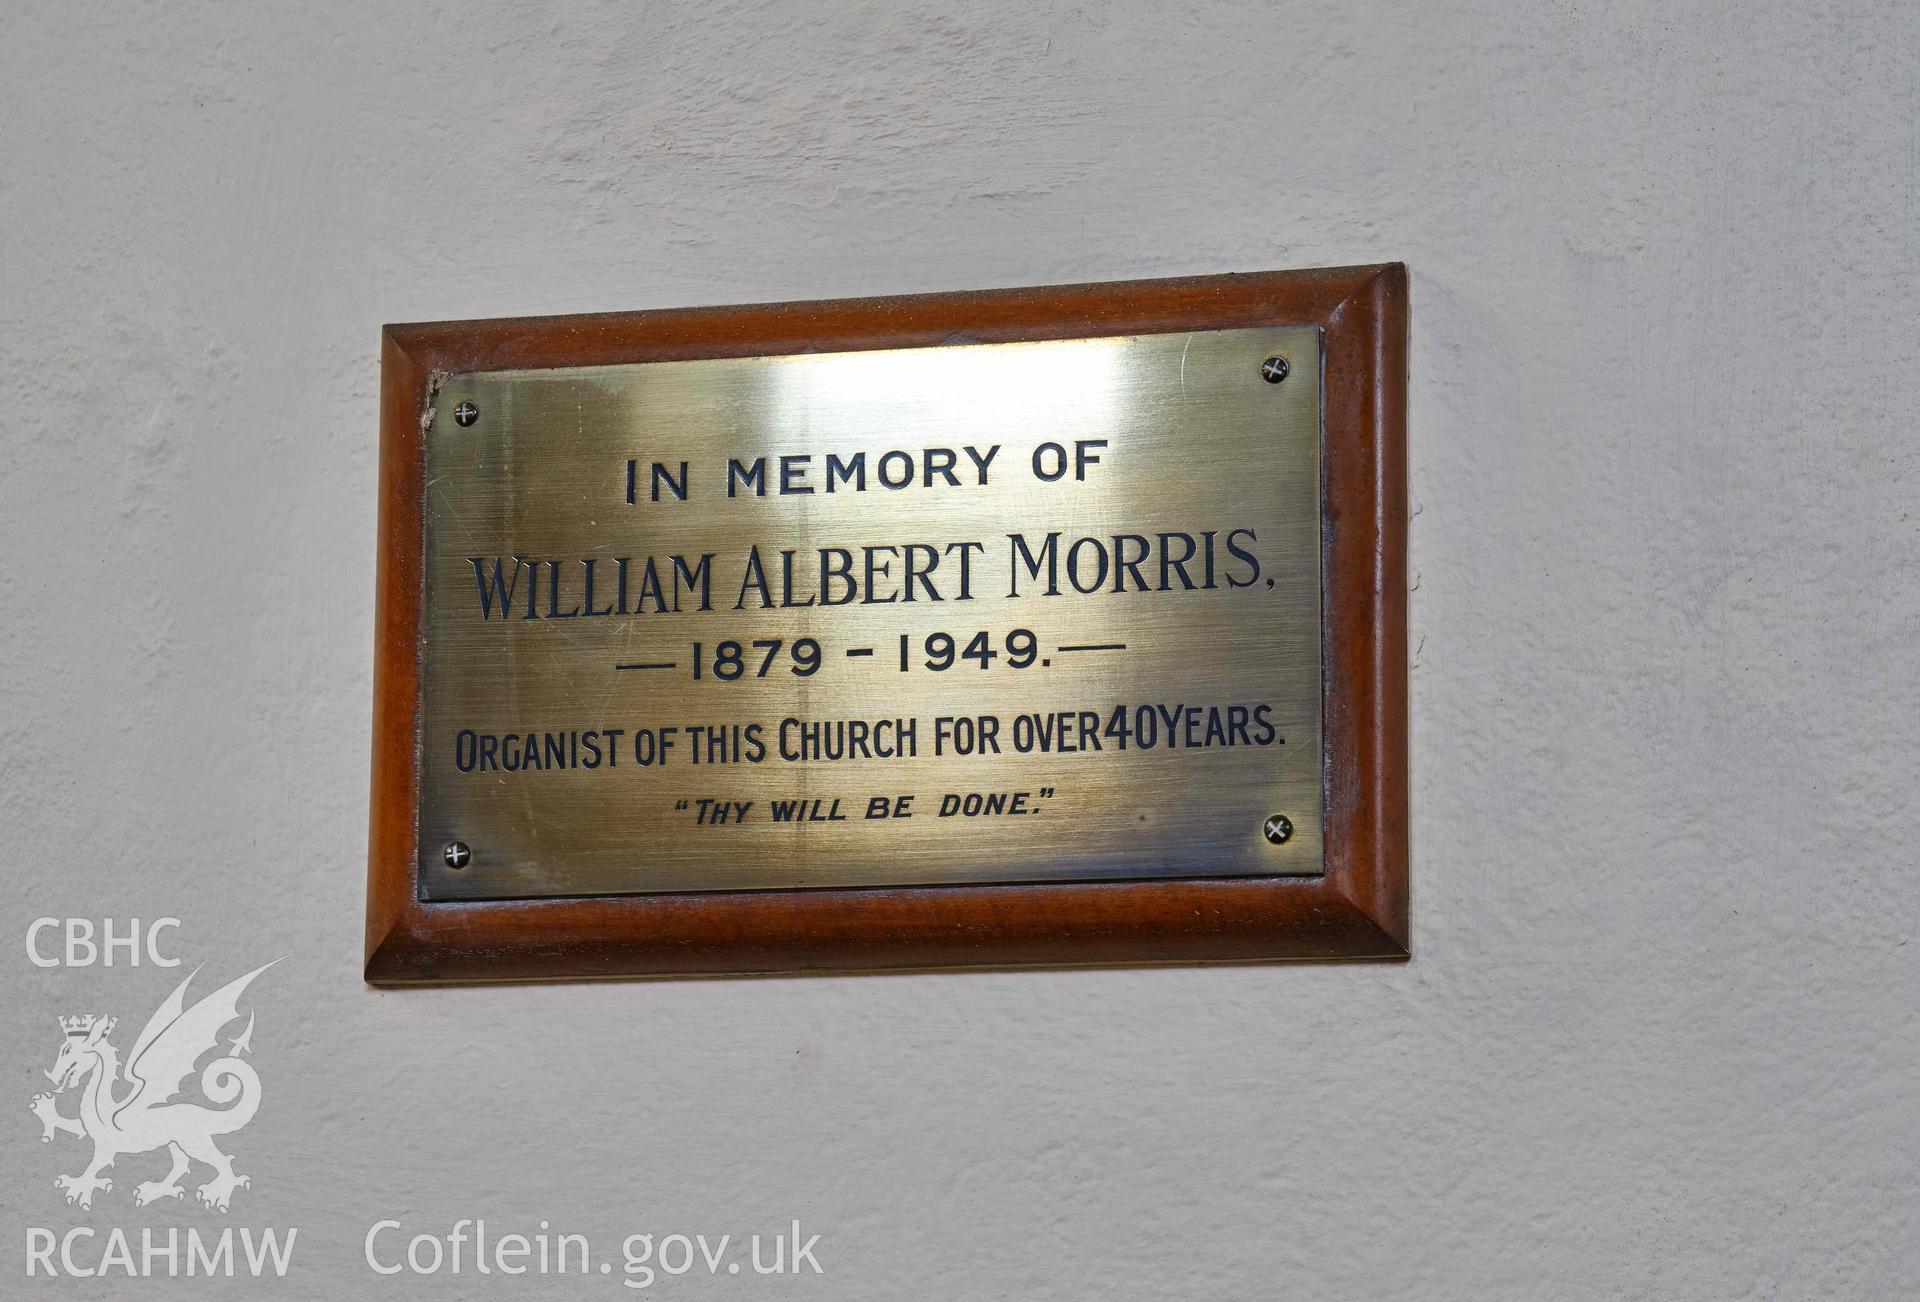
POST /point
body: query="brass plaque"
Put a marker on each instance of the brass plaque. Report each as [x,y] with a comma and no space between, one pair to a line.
[976,613]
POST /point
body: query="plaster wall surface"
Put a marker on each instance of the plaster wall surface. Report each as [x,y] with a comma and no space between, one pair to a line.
[1658,1038]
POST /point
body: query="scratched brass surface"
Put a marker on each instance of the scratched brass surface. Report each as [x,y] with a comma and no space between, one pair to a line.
[1197,441]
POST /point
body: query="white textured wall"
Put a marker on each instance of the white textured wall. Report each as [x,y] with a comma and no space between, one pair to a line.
[1659,1036]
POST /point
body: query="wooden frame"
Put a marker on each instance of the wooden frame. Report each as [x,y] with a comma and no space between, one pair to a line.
[1357,910]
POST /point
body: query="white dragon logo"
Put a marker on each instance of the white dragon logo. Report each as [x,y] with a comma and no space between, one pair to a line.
[143,1118]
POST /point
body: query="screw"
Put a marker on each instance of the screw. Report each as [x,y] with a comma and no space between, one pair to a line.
[456,854]
[466,413]
[1273,370]
[1278,828]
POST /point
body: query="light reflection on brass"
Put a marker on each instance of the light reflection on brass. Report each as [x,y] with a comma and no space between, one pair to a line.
[1196,442]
